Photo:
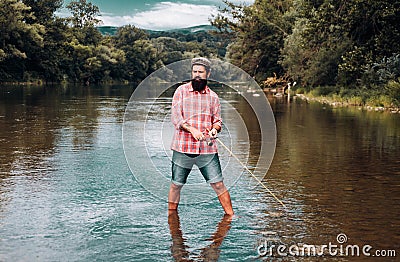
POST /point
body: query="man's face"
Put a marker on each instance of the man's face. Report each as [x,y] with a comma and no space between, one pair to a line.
[199,71]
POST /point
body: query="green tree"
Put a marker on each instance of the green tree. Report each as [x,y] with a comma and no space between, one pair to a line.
[102,63]
[83,20]
[77,54]
[334,41]
[140,54]
[45,61]
[84,14]
[83,43]
[49,60]
[43,10]
[169,49]
[318,42]
[17,37]
[313,51]
[259,31]
[374,28]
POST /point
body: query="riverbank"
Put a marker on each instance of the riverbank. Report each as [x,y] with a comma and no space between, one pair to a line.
[348,102]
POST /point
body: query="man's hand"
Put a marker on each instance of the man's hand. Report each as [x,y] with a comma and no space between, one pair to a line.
[194,131]
[199,136]
[212,133]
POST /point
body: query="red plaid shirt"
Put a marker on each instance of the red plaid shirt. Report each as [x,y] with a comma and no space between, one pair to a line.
[201,110]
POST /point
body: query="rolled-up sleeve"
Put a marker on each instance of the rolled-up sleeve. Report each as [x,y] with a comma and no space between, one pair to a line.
[177,109]
[216,119]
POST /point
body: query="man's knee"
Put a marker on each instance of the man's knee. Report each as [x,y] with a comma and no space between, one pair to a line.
[175,187]
[218,187]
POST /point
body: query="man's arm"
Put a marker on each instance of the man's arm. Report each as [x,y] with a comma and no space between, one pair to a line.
[177,118]
[176,110]
[194,131]
[217,121]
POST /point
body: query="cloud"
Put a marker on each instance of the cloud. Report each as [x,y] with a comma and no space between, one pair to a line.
[165,15]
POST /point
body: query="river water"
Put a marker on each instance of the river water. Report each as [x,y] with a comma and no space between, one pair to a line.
[67,193]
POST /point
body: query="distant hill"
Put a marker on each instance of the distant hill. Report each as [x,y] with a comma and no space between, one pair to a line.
[111,30]
[202,35]
[187,30]
[107,30]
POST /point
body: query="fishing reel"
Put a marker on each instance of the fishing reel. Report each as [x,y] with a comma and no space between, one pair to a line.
[209,141]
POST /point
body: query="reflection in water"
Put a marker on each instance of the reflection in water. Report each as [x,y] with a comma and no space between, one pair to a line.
[208,253]
[26,132]
[212,251]
[33,118]
[178,247]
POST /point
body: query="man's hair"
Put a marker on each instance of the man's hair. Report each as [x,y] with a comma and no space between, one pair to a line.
[202,61]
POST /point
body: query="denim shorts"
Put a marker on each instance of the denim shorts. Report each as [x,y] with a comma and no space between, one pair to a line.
[208,164]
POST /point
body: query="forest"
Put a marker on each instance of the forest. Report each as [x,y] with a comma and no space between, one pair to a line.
[345,48]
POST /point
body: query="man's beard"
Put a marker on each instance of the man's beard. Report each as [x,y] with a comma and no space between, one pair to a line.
[199,84]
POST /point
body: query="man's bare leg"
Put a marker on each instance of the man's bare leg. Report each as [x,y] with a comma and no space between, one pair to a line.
[174,196]
[223,196]
[226,203]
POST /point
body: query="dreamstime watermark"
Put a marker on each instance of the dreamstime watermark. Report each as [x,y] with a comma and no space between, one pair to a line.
[271,248]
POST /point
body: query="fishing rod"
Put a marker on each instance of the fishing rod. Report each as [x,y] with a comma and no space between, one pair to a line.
[248,170]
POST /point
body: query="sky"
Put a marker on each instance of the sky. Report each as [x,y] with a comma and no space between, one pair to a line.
[157,14]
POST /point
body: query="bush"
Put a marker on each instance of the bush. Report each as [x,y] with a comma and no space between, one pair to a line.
[388,69]
[393,90]
[355,101]
[300,90]
[349,92]
[379,100]
[324,91]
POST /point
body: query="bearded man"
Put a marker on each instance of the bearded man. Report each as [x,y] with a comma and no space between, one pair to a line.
[196,115]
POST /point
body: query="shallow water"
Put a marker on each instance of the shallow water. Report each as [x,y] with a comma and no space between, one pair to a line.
[67,193]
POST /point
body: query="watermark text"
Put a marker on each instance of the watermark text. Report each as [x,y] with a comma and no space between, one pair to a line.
[271,248]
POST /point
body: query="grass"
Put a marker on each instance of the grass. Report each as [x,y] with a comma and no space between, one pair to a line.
[376,99]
